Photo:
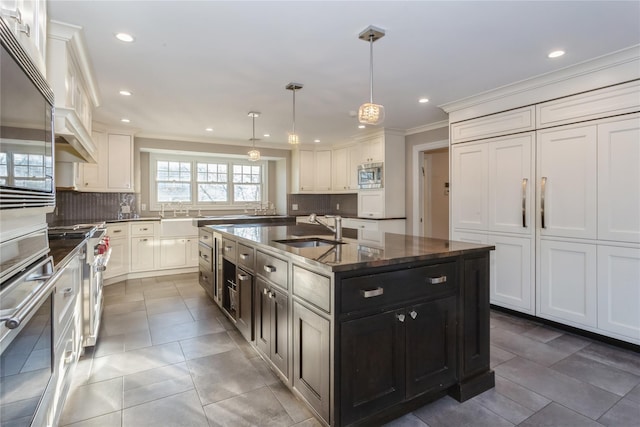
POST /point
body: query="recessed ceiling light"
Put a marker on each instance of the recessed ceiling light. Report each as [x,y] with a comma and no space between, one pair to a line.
[423,100]
[361,126]
[124,37]
[266,135]
[556,54]
[209,129]
[316,140]
[125,120]
[125,93]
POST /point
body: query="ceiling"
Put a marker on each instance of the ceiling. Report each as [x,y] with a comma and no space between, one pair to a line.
[199,64]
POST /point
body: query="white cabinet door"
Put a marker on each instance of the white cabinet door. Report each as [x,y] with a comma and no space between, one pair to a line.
[567,182]
[340,169]
[93,176]
[173,253]
[192,251]
[619,291]
[120,162]
[119,260]
[323,171]
[469,187]
[142,253]
[352,171]
[511,273]
[619,180]
[567,282]
[371,204]
[511,186]
[306,170]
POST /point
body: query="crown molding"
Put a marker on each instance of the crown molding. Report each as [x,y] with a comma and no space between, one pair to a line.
[425,128]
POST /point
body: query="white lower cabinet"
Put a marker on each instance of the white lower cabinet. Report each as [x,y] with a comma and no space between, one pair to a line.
[119,243]
[143,253]
[619,291]
[173,252]
[567,284]
[371,204]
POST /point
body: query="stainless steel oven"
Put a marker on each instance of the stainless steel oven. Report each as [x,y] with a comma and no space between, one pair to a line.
[370,176]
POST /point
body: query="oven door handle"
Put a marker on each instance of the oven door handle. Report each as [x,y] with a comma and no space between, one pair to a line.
[27,306]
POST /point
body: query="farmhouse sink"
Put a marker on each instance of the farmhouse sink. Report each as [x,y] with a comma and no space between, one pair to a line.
[177,227]
[308,242]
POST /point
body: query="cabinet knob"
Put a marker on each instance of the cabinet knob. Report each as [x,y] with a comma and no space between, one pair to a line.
[269,269]
[400,317]
[413,314]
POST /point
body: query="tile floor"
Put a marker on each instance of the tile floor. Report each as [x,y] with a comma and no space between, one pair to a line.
[168,357]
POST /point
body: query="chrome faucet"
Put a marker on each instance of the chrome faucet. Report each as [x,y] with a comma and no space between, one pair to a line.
[337,230]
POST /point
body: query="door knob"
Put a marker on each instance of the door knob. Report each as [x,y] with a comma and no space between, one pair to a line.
[400,317]
[413,314]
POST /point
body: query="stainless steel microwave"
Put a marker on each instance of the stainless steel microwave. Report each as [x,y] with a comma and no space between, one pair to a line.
[370,176]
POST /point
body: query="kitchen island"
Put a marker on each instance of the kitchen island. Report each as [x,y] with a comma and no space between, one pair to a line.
[361,332]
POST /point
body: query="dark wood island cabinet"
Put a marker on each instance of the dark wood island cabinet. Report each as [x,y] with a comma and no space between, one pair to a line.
[366,333]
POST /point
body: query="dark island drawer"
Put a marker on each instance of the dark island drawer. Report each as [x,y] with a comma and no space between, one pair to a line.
[229,249]
[377,290]
[205,236]
[246,256]
[272,268]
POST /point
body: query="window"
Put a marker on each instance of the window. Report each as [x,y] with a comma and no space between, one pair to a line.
[4,169]
[29,170]
[205,183]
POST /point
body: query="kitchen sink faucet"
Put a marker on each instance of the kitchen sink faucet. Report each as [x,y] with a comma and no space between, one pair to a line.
[337,230]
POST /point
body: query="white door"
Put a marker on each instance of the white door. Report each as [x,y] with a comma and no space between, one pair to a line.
[619,180]
[307,170]
[511,185]
[469,186]
[567,282]
[323,170]
[173,253]
[511,273]
[619,291]
[567,182]
[142,253]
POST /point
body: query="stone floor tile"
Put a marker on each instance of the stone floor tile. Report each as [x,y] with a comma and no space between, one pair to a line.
[467,414]
[165,305]
[124,323]
[408,420]
[499,356]
[181,331]
[543,333]
[503,406]
[625,360]
[181,409]
[206,345]
[555,415]
[120,299]
[296,410]
[255,408]
[521,395]
[112,419]
[581,397]
[526,347]
[164,292]
[625,413]
[310,422]
[92,400]
[170,318]
[569,343]
[123,307]
[600,375]
[634,394]
[114,289]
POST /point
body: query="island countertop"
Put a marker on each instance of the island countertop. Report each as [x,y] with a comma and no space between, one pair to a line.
[389,249]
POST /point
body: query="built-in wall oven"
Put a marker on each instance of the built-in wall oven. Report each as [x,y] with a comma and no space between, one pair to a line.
[370,176]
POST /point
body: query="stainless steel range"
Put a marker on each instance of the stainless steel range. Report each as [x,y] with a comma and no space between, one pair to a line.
[96,257]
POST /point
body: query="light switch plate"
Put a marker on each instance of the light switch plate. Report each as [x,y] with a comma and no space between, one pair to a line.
[294,207]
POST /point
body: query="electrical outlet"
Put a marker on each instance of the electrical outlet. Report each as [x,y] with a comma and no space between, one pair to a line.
[294,207]
[337,206]
[125,209]
[143,206]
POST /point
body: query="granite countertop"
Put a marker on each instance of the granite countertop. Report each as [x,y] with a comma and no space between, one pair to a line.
[62,250]
[244,219]
[352,254]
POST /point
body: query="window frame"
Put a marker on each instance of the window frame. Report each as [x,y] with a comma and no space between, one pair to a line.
[194,159]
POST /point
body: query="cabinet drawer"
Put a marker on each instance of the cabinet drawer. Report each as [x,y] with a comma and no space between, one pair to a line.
[142,228]
[312,287]
[376,290]
[205,257]
[360,224]
[272,268]
[119,230]
[246,257]
[229,249]
[205,236]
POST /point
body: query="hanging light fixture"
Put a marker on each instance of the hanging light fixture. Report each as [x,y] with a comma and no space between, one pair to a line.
[254,155]
[293,136]
[370,113]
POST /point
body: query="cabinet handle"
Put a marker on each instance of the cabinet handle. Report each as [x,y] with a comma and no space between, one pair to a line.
[204,256]
[67,291]
[436,280]
[243,277]
[400,317]
[143,229]
[525,181]
[101,268]
[228,248]
[244,256]
[24,28]
[13,14]
[143,240]
[413,314]
[68,357]
[543,185]
[269,269]
[372,292]
[117,231]
[265,291]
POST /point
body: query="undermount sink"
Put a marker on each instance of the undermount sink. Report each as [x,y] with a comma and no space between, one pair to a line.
[308,242]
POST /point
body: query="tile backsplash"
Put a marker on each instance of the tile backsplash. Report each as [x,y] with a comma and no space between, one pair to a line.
[322,204]
[80,206]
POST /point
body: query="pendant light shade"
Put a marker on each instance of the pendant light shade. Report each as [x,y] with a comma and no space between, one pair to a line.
[293,137]
[370,113]
[254,155]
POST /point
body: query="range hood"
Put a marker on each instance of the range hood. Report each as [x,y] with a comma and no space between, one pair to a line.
[70,75]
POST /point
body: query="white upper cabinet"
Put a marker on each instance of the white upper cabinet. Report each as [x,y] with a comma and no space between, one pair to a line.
[311,171]
[508,122]
[511,186]
[567,182]
[372,150]
[619,180]
[27,20]
[114,170]
[469,184]
[340,169]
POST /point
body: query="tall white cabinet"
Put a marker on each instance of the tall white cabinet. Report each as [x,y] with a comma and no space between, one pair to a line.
[558,194]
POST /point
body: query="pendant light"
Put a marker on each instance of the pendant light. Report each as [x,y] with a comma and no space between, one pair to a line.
[254,155]
[293,136]
[370,113]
